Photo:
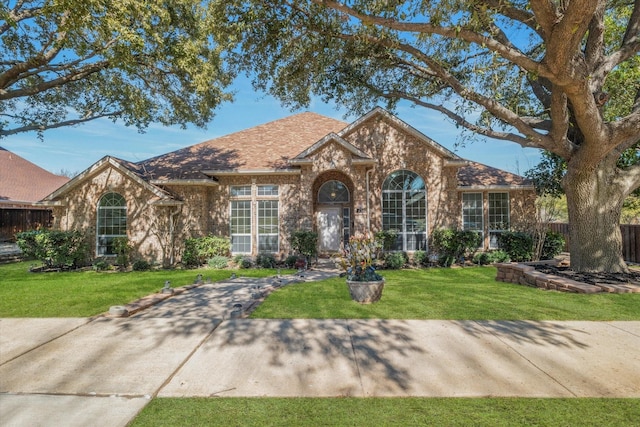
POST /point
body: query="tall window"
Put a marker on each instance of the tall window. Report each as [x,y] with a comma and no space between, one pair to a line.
[404,209]
[498,216]
[112,222]
[472,212]
[241,226]
[254,218]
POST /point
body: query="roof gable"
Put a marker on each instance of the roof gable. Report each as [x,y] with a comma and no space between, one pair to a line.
[332,137]
[24,182]
[124,167]
[476,175]
[383,114]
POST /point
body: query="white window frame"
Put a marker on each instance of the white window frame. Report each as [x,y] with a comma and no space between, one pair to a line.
[403,233]
[479,230]
[102,248]
[493,232]
[276,225]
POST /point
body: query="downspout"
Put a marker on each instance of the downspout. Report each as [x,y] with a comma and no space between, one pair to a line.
[368,202]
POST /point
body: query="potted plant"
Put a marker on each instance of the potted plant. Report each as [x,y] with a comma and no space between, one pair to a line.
[365,285]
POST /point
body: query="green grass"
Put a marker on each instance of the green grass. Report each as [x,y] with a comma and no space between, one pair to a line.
[389,412]
[87,293]
[456,294]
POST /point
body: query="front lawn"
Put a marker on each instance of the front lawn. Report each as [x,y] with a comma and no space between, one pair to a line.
[389,412]
[457,294]
[87,293]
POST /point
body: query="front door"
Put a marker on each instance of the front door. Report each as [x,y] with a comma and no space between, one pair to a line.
[329,228]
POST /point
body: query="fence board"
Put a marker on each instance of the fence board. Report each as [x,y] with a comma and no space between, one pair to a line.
[13,221]
[630,239]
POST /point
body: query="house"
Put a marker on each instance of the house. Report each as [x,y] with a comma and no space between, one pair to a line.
[22,184]
[305,171]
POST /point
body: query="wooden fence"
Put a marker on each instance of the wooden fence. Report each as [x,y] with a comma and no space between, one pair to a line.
[13,221]
[630,239]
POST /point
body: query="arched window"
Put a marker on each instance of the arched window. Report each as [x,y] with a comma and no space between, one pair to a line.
[333,192]
[112,222]
[404,209]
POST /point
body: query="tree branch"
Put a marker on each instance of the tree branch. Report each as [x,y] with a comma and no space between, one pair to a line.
[41,127]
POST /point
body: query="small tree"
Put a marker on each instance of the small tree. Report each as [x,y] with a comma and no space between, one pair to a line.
[305,243]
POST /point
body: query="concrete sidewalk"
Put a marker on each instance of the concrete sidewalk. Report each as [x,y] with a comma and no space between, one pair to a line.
[78,372]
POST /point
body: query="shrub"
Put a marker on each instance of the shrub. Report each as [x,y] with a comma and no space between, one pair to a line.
[237,260]
[266,261]
[485,258]
[245,263]
[518,245]
[553,245]
[218,262]
[452,245]
[387,239]
[122,248]
[290,261]
[198,250]
[395,260]
[141,265]
[101,265]
[420,258]
[55,249]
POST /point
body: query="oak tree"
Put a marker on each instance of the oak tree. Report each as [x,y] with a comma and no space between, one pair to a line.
[538,73]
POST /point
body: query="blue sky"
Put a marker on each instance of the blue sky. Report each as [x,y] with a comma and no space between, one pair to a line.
[76,148]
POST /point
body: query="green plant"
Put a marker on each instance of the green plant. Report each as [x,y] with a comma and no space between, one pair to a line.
[485,258]
[55,248]
[553,245]
[122,248]
[218,262]
[305,243]
[101,265]
[453,245]
[245,263]
[395,260]
[197,250]
[420,258]
[290,261]
[141,265]
[387,239]
[266,261]
[357,258]
[517,244]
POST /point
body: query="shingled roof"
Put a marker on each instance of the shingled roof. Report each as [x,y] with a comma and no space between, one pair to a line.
[267,146]
[477,175]
[22,182]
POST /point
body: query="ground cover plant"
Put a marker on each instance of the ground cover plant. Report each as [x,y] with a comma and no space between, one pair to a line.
[389,412]
[440,293]
[88,293]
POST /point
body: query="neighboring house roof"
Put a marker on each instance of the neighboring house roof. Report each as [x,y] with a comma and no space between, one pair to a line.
[264,147]
[477,175]
[22,182]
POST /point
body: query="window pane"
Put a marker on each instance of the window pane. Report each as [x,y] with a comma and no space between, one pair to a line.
[333,192]
[268,221]
[498,211]
[241,190]
[472,217]
[112,222]
[267,190]
[404,209]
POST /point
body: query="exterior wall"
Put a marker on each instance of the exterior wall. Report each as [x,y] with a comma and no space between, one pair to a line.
[147,225]
[395,150]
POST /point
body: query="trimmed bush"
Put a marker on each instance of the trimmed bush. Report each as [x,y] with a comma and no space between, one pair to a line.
[420,258]
[453,245]
[198,250]
[218,262]
[485,258]
[245,263]
[290,261]
[395,260]
[141,265]
[517,244]
[305,243]
[54,248]
[266,261]
[387,239]
[553,245]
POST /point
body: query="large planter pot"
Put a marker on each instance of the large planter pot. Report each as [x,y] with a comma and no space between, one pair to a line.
[365,292]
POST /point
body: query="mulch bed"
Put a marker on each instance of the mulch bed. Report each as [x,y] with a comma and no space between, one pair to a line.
[591,278]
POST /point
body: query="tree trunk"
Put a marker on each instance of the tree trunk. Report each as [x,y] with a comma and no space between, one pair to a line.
[595,207]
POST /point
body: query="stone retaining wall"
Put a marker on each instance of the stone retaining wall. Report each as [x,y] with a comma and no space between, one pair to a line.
[526,274]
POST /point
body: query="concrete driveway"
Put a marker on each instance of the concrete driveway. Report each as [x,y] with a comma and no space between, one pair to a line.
[103,371]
